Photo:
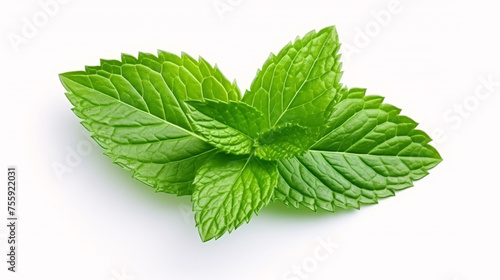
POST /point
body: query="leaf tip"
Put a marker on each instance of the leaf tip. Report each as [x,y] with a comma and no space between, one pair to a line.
[63,78]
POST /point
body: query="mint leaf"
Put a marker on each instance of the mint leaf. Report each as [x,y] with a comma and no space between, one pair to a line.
[298,84]
[231,127]
[135,111]
[297,135]
[368,152]
[284,141]
[229,189]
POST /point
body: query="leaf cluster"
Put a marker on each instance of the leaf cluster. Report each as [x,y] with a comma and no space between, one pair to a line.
[297,135]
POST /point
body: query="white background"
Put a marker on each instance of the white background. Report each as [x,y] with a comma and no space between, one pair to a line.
[95,222]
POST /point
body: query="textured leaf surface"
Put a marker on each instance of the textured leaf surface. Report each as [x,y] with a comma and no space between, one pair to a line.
[368,152]
[231,127]
[229,189]
[135,110]
[298,84]
[297,135]
[284,141]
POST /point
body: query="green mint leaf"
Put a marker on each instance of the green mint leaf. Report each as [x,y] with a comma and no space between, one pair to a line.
[181,127]
[229,189]
[368,152]
[285,141]
[298,84]
[135,111]
[231,127]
